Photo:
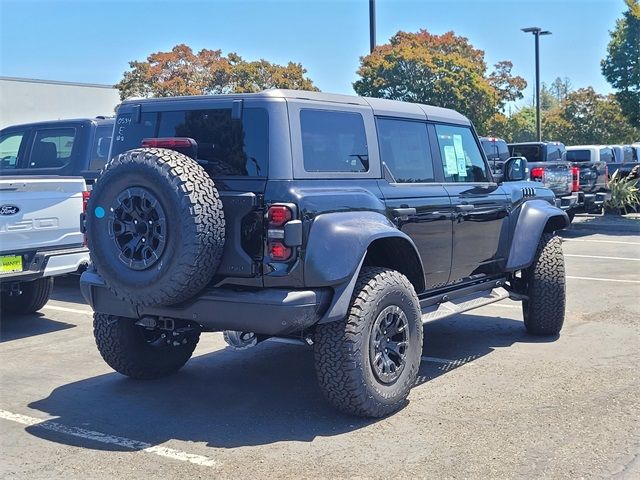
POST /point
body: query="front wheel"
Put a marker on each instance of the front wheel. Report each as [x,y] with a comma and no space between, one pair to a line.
[33,296]
[544,309]
[367,363]
[143,353]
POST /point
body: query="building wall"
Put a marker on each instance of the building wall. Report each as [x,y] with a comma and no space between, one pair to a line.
[26,100]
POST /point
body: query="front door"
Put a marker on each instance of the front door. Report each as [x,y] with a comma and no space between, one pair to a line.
[422,208]
[480,206]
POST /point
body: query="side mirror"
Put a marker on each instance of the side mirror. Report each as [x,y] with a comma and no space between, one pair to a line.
[515,169]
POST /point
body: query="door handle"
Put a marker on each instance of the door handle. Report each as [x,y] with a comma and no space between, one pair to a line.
[404,212]
[464,208]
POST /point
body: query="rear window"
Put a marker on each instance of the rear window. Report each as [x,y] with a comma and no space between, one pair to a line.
[532,153]
[226,147]
[496,150]
[578,155]
[556,152]
[333,141]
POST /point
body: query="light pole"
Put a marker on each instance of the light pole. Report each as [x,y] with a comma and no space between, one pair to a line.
[372,25]
[537,31]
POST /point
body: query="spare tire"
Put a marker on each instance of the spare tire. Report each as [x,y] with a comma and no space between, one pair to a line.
[155,226]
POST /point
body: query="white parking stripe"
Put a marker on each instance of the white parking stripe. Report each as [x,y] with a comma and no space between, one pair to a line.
[437,360]
[70,310]
[110,439]
[601,257]
[603,279]
[600,241]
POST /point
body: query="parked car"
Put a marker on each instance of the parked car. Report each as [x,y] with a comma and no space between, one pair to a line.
[335,221]
[40,236]
[591,160]
[496,151]
[59,147]
[625,157]
[547,165]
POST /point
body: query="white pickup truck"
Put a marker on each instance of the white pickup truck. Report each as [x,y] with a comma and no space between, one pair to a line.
[40,237]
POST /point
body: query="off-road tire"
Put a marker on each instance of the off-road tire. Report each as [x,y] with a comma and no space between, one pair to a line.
[342,359]
[194,226]
[121,343]
[544,310]
[35,294]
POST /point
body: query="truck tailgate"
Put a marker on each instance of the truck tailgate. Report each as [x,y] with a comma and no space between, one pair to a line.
[40,212]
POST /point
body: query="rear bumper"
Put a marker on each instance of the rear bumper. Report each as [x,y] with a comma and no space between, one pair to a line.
[592,201]
[567,202]
[49,263]
[269,311]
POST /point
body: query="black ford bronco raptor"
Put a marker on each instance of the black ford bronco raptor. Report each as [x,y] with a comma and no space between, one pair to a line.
[340,222]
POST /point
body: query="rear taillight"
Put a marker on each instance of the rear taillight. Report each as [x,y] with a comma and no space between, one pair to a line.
[85,203]
[537,174]
[278,215]
[278,251]
[277,218]
[575,179]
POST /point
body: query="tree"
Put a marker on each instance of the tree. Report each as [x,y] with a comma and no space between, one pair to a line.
[183,72]
[586,117]
[560,88]
[443,70]
[621,67]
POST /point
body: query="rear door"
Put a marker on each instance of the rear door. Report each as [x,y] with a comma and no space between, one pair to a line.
[422,207]
[480,206]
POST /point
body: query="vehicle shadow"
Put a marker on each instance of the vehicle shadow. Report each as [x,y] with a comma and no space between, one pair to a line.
[66,288]
[15,327]
[230,399]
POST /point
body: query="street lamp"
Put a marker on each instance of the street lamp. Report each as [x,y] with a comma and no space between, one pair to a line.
[372,25]
[537,31]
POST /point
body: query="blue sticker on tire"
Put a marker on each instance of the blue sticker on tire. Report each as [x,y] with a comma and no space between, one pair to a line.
[99,212]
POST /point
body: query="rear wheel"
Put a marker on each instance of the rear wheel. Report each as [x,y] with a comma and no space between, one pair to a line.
[140,352]
[367,363]
[544,309]
[34,296]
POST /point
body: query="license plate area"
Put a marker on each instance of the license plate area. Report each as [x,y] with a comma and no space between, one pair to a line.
[11,264]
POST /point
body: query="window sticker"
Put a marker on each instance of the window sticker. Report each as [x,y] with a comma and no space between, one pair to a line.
[450,160]
[460,157]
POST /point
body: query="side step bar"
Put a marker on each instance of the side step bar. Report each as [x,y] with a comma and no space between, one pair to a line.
[462,304]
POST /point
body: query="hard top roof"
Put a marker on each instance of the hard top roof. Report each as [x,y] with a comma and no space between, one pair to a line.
[380,106]
[54,123]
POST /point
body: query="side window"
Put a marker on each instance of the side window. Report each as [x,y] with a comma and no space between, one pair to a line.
[100,147]
[11,145]
[606,155]
[52,148]
[333,141]
[461,157]
[404,148]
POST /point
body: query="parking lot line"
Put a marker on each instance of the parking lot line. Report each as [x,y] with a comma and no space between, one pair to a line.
[66,309]
[600,241]
[601,257]
[595,279]
[110,439]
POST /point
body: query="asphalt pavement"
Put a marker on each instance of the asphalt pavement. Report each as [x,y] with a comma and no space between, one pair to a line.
[491,401]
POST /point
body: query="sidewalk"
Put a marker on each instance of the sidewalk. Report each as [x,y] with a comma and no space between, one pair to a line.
[629,223]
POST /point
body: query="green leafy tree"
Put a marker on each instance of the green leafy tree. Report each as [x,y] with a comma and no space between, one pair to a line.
[183,72]
[443,70]
[586,117]
[621,67]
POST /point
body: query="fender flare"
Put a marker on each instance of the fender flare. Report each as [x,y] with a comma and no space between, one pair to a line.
[535,217]
[336,250]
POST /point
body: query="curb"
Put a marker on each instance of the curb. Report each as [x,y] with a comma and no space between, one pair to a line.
[605,227]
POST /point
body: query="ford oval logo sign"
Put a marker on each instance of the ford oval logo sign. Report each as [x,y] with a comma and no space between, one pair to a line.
[8,210]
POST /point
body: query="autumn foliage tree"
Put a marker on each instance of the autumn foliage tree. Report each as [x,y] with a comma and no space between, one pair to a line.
[184,72]
[443,70]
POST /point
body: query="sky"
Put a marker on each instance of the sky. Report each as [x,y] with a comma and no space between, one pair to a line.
[93,40]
